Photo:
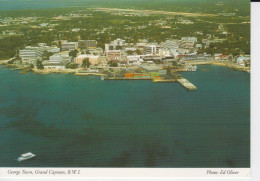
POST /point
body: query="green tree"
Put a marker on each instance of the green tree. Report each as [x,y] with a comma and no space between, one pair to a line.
[71,65]
[73,53]
[86,63]
[112,64]
[139,52]
[31,66]
[46,55]
[39,65]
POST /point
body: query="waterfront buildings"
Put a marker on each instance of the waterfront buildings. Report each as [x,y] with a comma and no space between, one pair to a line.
[113,55]
[93,59]
[54,66]
[31,54]
[56,59]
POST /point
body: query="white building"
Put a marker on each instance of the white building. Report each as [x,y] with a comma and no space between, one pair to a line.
[70,46]
[31,54]
[55,59]
[114,44]
[54,66]
[151,49]
[190,39]
[118,42]
[93,59]
[241,60]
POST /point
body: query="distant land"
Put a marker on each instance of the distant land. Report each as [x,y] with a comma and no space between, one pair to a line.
[191,6]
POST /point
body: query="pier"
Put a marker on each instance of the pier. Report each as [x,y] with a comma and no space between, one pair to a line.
[90,73]
[187,84]
[163,80]
[123,78]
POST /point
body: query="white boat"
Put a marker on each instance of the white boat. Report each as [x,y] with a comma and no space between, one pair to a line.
[25,156]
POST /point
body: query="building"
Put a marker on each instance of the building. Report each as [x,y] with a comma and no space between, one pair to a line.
[52,49]
[93,59]
[54,66]
[189,57]
[152,59]
[55,59]
[87,43]
[220,57]
[242,59]
[113,55]
[151,49]
[187,44]
[95,51]
[118,42]
[189,39]
[65,56]
[150,67]
[31,54]
[166,52]
[115,45]
[134,59]
[70,46]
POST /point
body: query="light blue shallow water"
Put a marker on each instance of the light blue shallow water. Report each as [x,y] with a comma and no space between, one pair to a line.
[77,121]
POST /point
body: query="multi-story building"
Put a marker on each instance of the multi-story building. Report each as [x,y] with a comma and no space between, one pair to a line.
[56,58]
[87,43]
[70,46]
[93,59]
[189,39]
[152,49]
[109,47]
[31,54]
[52,49]
[118,42]
[113,55]
[114,45]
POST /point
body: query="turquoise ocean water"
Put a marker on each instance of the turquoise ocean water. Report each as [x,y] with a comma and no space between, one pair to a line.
[80,121]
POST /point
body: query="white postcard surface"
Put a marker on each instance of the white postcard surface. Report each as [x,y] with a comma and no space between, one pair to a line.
[126,88]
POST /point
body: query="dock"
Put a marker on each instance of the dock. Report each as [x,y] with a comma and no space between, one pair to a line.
[90,73]
[187,84]
[123,78]
[163,80]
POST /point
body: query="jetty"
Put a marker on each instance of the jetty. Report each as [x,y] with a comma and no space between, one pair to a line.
[187,84]
[163,80]
[124,78]
[90,73]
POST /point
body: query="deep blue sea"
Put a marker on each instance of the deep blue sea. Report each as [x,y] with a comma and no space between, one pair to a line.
[82,121]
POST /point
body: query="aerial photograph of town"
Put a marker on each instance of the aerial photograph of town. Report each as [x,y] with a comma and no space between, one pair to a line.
[125,83]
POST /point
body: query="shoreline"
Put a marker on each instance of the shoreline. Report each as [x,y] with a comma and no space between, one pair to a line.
[75,71]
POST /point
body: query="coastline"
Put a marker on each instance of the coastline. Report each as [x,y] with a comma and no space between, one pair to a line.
[75,71]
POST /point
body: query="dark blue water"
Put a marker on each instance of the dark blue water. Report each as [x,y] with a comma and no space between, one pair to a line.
[80,121]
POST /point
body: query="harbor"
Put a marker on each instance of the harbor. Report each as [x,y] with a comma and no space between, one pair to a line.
[160,76]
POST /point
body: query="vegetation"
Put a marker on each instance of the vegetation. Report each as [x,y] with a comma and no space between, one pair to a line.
[105,27]
[73,53]
[86,63]
[39,65]
[112,64]
[71,65]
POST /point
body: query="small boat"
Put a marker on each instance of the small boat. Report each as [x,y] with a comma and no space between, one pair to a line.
[25,156]
[102,77]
